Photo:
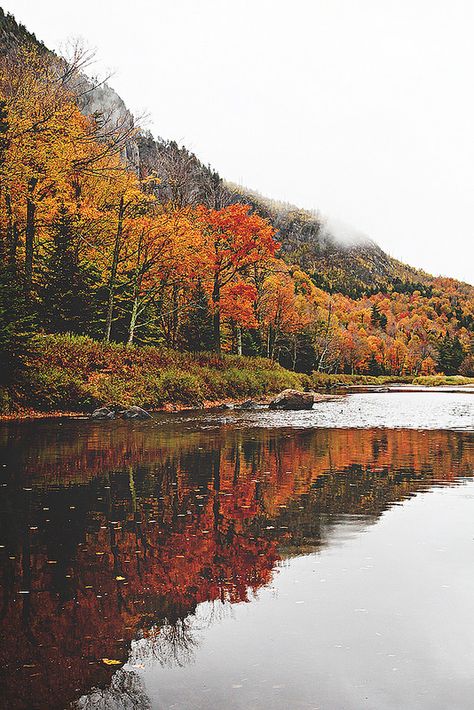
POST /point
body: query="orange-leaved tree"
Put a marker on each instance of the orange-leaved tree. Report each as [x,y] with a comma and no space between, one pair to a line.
[234,239]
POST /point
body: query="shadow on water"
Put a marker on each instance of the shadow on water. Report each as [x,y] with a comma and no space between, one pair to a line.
[117,532]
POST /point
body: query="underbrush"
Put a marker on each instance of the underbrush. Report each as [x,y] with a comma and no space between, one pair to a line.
[76,373]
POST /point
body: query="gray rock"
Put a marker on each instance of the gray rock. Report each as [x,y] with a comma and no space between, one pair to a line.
[293,399]
[135,413]
[249,404]
[103,413]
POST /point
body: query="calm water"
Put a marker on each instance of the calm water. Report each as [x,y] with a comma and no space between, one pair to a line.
[241,560]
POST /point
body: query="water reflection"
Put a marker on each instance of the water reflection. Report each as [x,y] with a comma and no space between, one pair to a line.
[117,532]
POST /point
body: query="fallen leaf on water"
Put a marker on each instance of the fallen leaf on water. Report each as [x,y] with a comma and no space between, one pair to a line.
[111,662]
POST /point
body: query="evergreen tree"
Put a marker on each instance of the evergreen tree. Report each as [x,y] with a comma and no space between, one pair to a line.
[374,367]
[197,329]
[252,342]
[67,293]
[378,318]
[450,355]
[16,326]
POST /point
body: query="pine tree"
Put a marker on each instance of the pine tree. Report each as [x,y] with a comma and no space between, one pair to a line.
[378,318]
[374,367]
[16,326]
[450,355]
[68,286]
[197,329]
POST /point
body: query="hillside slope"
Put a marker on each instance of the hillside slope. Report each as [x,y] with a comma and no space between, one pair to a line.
[109,233]
[354,269]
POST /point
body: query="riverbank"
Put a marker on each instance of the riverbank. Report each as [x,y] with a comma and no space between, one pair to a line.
[72,375]
[75,374]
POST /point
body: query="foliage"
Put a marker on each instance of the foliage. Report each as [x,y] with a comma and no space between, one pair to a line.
[439,380]
[164,254]
[16,327]
[76,373]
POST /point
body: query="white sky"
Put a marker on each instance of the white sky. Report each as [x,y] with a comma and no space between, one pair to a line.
[363,109]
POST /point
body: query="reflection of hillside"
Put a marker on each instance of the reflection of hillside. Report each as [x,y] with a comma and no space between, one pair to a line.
[121,533]
[77,451]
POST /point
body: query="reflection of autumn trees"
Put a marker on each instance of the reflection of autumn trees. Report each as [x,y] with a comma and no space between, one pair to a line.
[125,692]
[119,533]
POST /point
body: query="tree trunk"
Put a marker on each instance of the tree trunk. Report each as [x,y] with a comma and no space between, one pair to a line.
[216,317]
[30,233]
[113,272]
[136,294]
[12,231]
[295,352]
[175,317]
[239,340]
[133,320]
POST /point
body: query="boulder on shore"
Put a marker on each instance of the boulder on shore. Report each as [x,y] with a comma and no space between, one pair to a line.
[294,399]
[135,413]
[103,413]
[117,412]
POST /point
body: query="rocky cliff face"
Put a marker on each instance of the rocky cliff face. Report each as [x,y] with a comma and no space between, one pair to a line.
[102,101]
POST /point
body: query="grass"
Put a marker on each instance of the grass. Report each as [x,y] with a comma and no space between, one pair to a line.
[437,380]
[75,373]
[322,380]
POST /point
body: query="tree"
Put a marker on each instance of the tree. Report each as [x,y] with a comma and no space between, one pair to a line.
[67,284]
[16,326]
[378,318]
[234,239]
[450,354]
[197,329]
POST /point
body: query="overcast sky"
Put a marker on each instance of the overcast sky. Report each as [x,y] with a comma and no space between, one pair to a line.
[362,109]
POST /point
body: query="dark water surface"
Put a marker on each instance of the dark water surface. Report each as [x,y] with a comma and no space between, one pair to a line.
[221,564]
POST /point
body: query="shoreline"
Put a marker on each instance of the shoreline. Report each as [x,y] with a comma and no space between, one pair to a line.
[25,414]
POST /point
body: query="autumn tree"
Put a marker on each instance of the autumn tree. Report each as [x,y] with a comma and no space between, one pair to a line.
[234,240]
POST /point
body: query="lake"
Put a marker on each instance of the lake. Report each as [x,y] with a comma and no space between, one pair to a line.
[318,560]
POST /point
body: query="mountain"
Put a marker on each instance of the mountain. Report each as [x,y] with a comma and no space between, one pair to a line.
[353,266]
[330,300]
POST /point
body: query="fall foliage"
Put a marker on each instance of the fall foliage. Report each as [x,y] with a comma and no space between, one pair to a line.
[156,520]
[90,244]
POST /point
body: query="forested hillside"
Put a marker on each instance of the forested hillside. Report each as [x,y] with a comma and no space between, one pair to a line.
[110,233]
